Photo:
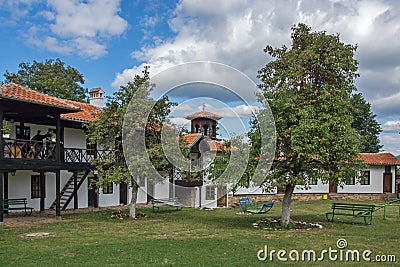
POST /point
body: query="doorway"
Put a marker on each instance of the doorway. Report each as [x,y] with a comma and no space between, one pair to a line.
[123,193]
[387,183]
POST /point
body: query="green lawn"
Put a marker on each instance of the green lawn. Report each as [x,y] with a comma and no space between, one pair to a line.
[194,237]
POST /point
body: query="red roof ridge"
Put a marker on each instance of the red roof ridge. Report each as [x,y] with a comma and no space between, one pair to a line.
[17,91]
[384,158]
[80,111]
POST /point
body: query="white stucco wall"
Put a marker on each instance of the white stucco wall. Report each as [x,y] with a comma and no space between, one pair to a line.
[142,195]
[19,186]
[74,138]
[319,188]
[161,190]
[376,183]
[106,200]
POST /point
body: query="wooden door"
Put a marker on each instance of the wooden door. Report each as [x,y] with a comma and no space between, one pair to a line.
[93,198]
[387,183]
[123,193]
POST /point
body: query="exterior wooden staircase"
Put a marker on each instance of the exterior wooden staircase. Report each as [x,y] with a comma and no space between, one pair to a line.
[67,193]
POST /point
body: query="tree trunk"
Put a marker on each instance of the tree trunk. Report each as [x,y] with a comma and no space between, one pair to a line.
[286,204]
[132,210]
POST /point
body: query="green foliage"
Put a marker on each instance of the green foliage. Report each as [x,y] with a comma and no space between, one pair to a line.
[108,132]
[51,77]
[308,88]
[366,125]
[6,127]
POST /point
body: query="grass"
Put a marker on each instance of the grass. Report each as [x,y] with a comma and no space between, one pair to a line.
[194,237]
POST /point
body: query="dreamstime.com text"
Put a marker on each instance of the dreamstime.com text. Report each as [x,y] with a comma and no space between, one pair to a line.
[332,254]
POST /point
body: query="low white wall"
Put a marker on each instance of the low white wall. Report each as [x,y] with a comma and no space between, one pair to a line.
[319,188]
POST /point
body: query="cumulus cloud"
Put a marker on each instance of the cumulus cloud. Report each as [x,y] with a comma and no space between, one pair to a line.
[70,27]
[387,105]
[235,33]
[391,144]
[391,126]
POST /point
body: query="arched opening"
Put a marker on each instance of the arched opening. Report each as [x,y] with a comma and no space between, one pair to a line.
[196,128]
[205,127]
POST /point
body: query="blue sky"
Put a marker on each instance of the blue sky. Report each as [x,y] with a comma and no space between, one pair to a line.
[109,41]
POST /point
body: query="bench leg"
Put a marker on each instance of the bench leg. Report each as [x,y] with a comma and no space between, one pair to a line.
[329,220]
[368,220]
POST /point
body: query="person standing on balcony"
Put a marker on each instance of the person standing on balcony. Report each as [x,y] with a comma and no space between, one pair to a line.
[38,139]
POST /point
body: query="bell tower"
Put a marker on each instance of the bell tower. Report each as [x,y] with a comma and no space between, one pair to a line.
[204,122]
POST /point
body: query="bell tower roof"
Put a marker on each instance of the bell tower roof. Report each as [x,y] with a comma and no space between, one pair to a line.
[203,114]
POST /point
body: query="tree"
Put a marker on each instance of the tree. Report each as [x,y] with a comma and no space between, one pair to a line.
[308,88]
[108,131]
[366,124]
[51,77]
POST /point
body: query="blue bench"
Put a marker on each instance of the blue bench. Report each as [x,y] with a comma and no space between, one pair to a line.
[256,207]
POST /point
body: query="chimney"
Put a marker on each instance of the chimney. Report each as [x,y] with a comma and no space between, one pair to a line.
[96,97]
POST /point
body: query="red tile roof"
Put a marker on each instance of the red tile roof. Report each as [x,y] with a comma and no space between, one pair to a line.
[191,138]
[214,145]
[379,159]
[203,114]
[79,111]
[88,112]
[19,92]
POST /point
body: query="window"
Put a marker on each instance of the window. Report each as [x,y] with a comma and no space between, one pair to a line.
[388,169]
[312,181]
[366,178]
[22,132]
[210,192]
[36,187]
[108,189]
[351,181]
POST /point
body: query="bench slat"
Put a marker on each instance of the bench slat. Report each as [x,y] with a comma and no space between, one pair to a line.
[21,203]
[166,202]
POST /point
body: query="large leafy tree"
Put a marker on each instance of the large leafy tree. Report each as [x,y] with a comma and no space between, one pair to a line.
[108,132]
[366,125]
[308,88]
[52,77]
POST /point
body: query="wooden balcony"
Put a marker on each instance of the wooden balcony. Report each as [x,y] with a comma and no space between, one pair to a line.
[27,149]
[28,154]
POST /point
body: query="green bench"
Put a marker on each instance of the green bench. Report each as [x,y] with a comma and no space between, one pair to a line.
[353,210]
[17,204]
[166,202]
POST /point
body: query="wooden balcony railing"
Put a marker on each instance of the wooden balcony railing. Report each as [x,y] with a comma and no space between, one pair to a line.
[28,149]
[35,150]
[79,155]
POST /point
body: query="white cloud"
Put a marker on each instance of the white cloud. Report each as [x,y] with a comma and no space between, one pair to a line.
[89,19]
[392,144]
[387,105]
[80,27]
[236,32]
[391,126]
